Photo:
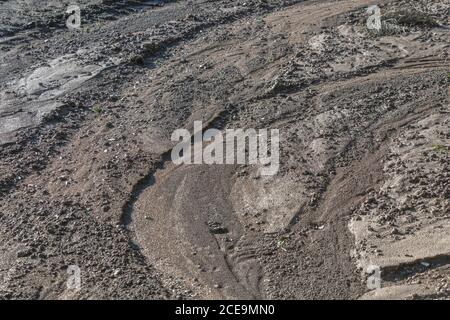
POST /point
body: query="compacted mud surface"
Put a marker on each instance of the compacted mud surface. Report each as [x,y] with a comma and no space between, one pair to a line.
[86,177]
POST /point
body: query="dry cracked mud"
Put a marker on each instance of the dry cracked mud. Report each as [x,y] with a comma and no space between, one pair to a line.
[86,177]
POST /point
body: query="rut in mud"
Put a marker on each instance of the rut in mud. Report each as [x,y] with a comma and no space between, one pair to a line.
[87,179]
[243,261]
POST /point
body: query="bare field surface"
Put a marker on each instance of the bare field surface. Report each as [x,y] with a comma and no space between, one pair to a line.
[86,178]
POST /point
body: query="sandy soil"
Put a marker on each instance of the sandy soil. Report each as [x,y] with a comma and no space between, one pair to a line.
[86,176]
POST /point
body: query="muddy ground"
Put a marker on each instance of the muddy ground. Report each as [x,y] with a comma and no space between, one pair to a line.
[86,177]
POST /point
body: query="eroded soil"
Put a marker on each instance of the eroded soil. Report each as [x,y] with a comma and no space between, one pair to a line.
[86,176]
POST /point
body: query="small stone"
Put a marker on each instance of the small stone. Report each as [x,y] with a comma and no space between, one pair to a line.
[109,125]
[24,253]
